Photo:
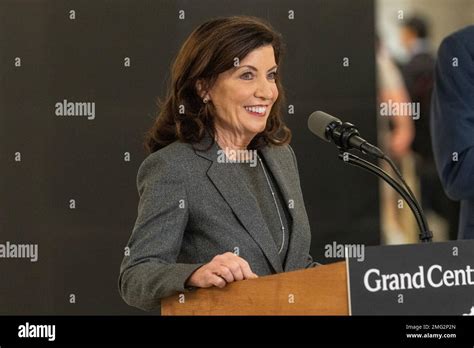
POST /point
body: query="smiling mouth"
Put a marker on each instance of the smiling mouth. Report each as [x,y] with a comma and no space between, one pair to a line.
[257,110]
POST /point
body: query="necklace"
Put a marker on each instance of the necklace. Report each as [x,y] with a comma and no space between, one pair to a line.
[276,205]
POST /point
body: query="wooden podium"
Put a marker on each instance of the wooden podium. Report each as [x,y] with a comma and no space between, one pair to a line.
[320,290]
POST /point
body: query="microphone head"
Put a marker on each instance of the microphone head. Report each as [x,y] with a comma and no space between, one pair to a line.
[318,122]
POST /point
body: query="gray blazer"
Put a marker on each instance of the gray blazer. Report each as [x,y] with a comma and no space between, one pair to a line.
[193,208]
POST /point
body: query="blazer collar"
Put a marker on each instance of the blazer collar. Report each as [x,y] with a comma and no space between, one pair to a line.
[226,179]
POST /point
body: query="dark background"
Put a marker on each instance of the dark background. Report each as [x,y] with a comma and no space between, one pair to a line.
[65,158]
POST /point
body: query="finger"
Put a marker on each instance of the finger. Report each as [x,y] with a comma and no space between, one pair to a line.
[247,273]
[236,270]
[246,270]
[224,272]
[216,281]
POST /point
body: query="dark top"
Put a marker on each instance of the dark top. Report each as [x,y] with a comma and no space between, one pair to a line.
[254,178]
[452,126]
[419,75]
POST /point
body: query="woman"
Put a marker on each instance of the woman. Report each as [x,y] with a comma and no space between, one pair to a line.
[220,198]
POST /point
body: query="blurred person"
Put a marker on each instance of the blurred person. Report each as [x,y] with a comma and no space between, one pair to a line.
[418,75]
[395,137]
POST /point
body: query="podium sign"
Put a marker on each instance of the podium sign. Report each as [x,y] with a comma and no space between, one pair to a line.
[414,279]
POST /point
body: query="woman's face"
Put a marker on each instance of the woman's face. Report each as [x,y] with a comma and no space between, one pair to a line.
[243,96]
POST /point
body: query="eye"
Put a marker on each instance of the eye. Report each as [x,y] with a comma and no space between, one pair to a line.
[274,73]
[246,76]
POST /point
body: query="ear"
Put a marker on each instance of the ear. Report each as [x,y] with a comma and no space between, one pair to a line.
[200,89]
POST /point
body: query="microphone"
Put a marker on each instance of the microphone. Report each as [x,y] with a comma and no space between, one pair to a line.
[344,135]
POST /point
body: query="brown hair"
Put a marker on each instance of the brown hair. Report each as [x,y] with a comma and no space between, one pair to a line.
[211,49]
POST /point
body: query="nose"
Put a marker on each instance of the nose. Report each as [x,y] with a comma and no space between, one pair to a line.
[265,90]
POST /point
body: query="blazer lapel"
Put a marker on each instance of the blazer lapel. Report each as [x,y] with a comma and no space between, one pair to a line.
[225,178]
[282,170]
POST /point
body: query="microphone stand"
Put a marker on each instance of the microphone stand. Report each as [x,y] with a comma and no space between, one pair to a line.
[425,235]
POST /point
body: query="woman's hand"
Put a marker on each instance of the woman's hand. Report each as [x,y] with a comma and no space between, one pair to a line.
[222,269]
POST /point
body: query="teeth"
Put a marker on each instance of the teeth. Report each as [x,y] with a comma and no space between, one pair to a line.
[256,109]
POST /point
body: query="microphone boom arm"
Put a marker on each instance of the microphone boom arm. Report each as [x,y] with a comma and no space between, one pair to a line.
[425,234]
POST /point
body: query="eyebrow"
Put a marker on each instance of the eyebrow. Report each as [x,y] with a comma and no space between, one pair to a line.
[254,68]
